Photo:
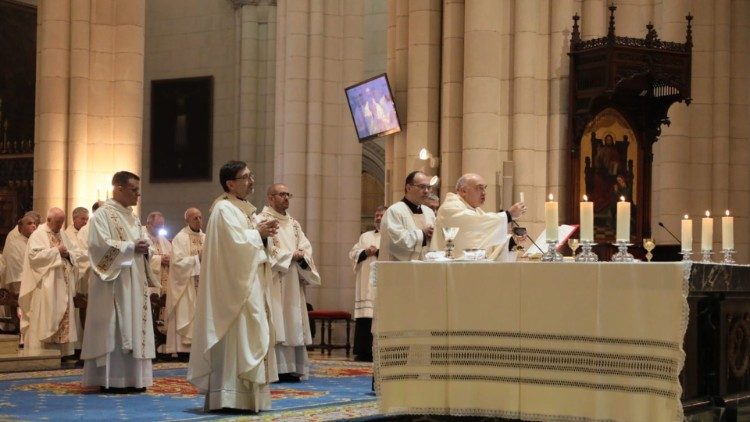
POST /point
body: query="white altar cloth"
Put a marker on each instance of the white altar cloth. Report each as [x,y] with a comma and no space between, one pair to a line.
[533,341]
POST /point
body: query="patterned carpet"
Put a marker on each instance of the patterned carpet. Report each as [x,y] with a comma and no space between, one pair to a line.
[336,390]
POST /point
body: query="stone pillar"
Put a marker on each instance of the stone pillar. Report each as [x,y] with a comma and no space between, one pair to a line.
[398,62]
[739,126]
[594,18]
[451,97]
[89,98]
[319,46]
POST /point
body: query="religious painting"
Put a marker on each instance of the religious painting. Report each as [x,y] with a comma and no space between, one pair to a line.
[609,170]
[181,129]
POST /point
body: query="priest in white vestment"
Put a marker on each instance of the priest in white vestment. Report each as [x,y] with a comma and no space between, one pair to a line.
[118,340]
[14,253]
[14,250]
[477,229]
[407,225]
[48,283]
[232,338]
[161,249]
[363,254]
[184,273]
[293,268]
[80,218]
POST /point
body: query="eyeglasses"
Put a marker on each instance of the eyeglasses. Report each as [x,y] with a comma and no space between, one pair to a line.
[422,187]
[283,194]
[481,188]
[250,176]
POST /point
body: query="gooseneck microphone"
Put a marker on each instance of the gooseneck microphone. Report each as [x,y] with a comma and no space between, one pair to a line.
[665,228]
[521,231]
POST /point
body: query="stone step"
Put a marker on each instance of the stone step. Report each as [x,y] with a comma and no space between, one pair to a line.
[26,361]
[8,344]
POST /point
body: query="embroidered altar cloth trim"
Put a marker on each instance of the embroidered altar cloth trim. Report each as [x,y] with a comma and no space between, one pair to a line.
[583,342]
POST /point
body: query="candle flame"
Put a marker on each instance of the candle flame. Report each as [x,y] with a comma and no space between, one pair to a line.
[622,198]
[585,198]
[550,197]
[727,213]
[686,217]
[708,213]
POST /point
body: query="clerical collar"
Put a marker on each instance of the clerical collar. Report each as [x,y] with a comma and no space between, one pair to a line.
[415,209]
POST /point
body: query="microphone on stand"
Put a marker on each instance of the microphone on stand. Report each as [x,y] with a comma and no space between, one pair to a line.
[665,228]
[521,231]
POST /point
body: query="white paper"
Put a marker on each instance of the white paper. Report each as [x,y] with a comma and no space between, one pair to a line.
[564,233]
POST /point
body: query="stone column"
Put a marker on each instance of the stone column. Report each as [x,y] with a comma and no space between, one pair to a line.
[89,98]
[451,97]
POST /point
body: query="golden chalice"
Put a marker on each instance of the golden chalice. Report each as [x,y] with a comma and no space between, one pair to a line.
[649,245]
[573,245]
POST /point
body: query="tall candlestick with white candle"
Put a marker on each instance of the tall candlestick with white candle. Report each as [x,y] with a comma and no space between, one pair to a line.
[550,214]
[687,234]
[623,220]
[727,232]
[707,232]
[587,220]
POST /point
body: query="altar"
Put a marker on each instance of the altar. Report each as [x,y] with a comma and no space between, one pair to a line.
[553,341]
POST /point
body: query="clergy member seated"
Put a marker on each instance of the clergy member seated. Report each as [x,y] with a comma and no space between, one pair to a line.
[477,229]
[48,283]
[408,224]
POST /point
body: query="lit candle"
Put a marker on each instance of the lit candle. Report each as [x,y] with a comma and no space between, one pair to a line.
[707,232]
[98,194]
[687,234]
[587,219]
[727,231]
[623,220]
[550,213]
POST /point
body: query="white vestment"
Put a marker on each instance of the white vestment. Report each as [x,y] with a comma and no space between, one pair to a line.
[160,247]
[13,253]
[184,272]
[476,229]
[402,237]
[231,333]
[82,284]
[118,341]
[364,293]
[288,280]
[47,289]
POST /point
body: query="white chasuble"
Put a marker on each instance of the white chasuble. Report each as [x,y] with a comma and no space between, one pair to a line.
[47,289]
[14,252]
[118,341]
[364,292]
[160,248]
[288,280]
[476,229]
[184,272]
[231,335]
[402,238]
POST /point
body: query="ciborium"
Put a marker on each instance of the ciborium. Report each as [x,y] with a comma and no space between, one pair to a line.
[450,235]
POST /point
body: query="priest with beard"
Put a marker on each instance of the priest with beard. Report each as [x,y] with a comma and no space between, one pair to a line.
[231,356]
[477,229]
[292,269]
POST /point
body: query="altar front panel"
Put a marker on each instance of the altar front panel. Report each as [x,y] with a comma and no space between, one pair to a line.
[600,341]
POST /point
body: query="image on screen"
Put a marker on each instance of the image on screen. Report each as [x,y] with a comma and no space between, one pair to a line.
[372,107]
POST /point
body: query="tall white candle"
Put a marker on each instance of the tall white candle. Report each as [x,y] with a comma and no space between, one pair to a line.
[727,231]
[687,234]
[707,232]
[623,220]
[521,195]
[550,214]
[587,219]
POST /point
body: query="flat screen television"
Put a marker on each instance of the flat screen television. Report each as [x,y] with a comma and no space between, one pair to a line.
[372,108]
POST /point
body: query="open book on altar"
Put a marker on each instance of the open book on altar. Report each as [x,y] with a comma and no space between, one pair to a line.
[564,233]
